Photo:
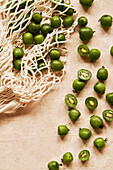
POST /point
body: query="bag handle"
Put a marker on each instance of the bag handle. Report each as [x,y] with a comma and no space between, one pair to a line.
[11,107]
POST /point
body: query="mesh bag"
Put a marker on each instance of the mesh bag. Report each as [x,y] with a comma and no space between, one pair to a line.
[17,88]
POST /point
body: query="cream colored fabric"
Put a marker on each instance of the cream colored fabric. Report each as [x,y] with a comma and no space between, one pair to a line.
[28,138]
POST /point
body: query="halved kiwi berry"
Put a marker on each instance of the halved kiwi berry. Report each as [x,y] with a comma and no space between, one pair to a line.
[108,115]
[91,103]
[84,74]
[84,155]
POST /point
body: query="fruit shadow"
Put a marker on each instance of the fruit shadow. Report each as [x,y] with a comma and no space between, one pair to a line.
[91,111]
[86,42]
[109,123]
[111,106]
[101,151]
[103,81]
[85,163]
[105,29]
[77,93]
[86,9]
[68,165]
[86,59]
[63,137]
[85,141]
[100,95]
[76,122]
[99,130]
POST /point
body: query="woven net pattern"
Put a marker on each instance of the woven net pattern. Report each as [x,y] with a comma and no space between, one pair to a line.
[29,85]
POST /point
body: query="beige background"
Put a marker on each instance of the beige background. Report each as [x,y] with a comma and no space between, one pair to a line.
[29,140]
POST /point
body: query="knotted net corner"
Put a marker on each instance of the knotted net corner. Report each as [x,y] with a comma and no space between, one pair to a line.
[29,85]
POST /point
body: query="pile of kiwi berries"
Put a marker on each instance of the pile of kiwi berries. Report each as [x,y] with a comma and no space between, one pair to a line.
[36,33]
[96,122]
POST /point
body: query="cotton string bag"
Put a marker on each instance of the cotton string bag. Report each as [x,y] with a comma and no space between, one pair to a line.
[17,88]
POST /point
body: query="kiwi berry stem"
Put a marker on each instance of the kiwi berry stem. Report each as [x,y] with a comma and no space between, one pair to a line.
[106,140]
[60,164]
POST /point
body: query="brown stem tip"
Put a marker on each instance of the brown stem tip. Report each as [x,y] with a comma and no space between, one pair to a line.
[92,116]
[74,91]
[69,109]
[61,160]
[101,127]
[106,140]
[60,164]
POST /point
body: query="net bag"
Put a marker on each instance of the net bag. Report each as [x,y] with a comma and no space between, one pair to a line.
[17,88]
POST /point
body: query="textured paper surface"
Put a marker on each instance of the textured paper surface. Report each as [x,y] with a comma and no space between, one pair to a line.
[29,140]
